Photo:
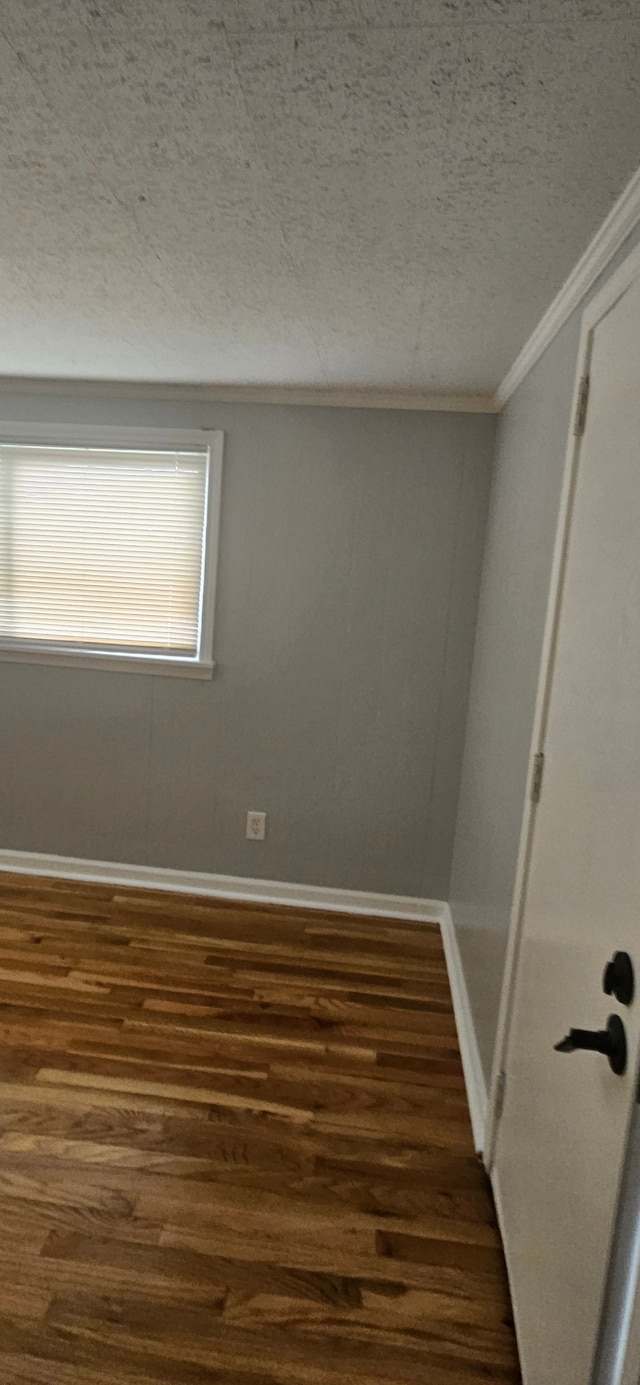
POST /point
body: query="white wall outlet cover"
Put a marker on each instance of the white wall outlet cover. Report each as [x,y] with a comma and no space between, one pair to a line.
[256,826]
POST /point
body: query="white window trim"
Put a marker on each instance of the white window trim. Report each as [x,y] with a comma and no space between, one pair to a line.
[92,435]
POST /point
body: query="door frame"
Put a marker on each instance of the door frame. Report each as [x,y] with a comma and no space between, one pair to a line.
[602,302]
[595,310]
[630,1366]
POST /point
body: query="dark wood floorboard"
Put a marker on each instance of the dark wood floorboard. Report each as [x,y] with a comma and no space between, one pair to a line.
[235,1148]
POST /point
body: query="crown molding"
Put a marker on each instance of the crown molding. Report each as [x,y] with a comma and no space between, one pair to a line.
[622,219]
[336,398]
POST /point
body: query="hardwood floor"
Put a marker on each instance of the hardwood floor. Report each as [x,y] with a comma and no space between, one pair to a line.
[235,1148]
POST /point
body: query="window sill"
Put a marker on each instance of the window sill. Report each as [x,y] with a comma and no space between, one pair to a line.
[110,663]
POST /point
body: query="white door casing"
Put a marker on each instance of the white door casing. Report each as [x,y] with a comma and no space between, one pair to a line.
[560,1145]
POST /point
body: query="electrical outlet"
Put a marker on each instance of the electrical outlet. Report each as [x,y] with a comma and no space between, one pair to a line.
[256,826]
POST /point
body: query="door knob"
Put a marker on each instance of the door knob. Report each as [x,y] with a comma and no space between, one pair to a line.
[612,1042]
[618,979]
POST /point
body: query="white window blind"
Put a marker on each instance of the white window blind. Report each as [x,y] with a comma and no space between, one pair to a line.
[103,549]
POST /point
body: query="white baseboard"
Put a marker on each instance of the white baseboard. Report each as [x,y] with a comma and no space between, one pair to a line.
[224,886]
[467,1038]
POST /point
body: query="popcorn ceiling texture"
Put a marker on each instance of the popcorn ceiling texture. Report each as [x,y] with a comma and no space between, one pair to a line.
[381,193]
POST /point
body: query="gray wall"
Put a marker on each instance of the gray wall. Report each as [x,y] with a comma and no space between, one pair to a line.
[349,569]
[523,512]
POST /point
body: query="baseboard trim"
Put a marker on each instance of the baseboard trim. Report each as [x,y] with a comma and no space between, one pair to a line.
[467,1038]
[223,886]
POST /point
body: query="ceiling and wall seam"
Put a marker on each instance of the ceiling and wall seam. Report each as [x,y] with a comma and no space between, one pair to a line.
[331,397]
[621,221]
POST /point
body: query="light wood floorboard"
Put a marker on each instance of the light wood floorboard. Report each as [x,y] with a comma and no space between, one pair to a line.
[235,1150]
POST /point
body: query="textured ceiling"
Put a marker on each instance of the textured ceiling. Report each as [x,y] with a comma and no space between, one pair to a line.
[382,193]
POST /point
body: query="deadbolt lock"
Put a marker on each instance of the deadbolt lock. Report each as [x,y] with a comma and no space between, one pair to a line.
[618,979]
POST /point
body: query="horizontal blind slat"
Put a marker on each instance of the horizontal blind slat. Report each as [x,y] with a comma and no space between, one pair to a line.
[102,547]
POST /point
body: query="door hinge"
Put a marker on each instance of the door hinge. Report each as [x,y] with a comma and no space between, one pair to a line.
[536,778]
[581,411]
[501,1086]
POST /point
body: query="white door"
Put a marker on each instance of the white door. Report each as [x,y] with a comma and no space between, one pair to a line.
[562,1136]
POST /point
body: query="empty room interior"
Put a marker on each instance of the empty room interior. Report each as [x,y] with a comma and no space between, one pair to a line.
[319,709]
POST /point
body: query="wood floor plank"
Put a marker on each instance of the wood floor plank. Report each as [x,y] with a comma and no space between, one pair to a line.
[235,1149]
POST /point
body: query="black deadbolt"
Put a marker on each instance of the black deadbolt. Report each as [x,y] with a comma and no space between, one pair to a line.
[618,978]
[612,1042]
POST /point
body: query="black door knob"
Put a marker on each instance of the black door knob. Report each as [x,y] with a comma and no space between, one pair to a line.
[618,979]
[612,1042]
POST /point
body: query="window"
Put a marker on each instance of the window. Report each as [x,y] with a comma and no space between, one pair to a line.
[108,547]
